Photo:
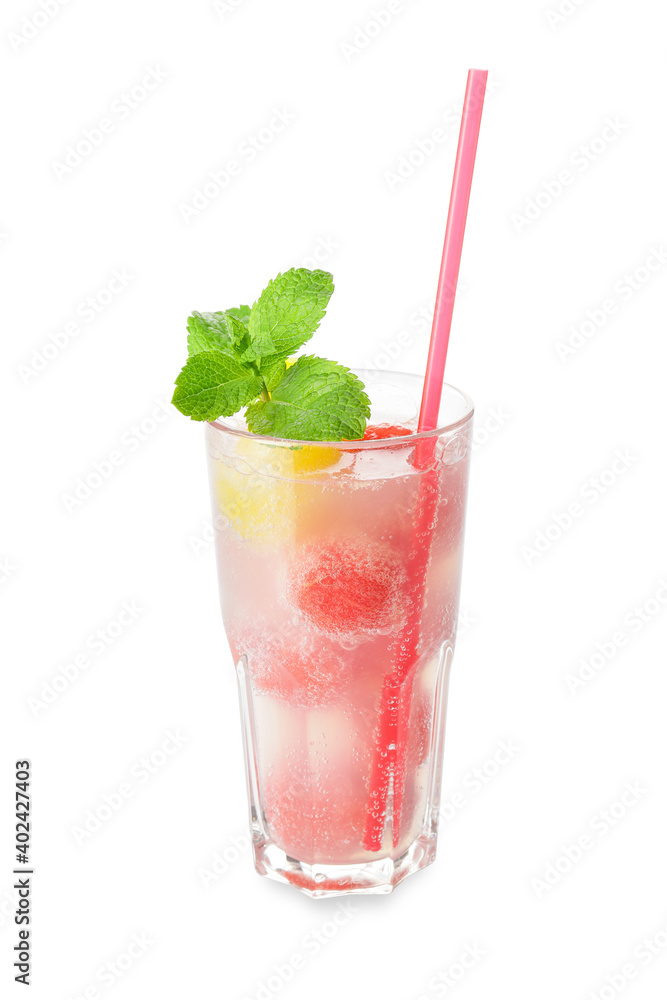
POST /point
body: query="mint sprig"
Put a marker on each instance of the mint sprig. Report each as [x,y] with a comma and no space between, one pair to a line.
[288,312]
[238,358]
[207,332]
[215,384]
[317,400]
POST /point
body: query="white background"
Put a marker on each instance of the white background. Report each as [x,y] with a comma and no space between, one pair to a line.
[141,535]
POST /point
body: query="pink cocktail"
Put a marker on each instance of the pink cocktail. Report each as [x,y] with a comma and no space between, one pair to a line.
[322,596]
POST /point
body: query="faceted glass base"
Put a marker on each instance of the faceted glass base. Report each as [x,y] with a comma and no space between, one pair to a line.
[306,831]
[321,881]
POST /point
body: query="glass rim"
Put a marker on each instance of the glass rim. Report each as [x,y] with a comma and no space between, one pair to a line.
[358,443]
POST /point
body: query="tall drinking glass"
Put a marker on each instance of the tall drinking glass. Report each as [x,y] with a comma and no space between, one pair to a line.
[339,567]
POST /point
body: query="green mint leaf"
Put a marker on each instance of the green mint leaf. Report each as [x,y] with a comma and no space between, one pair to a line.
[215,384]
[207,332]
[238,333]
[242,313]
[316,400]
[272,370]
[288,312]
[214,331]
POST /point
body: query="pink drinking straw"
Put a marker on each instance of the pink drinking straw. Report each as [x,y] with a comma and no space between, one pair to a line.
[451,254]
[390,756]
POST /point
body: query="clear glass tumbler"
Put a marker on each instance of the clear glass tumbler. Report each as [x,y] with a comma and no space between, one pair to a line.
[339,568]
